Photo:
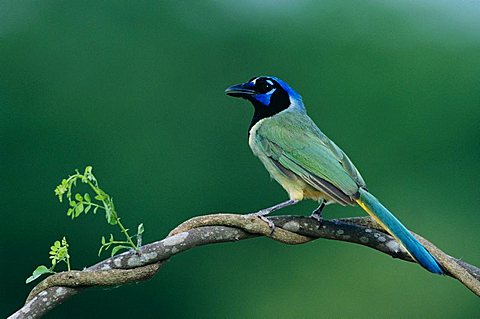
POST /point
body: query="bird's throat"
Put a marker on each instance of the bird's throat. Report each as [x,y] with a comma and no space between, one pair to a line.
[278,103]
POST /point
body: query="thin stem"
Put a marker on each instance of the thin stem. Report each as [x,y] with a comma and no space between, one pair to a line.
[139,240]
[95,189]
[117,219]
[93,204]
[125,232]
[116,242]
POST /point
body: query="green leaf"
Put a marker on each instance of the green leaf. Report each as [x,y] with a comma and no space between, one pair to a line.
[78,209]
[111,218]
[100,197]
[87,197]
[103,240]
[118,248]
[140,229]
[95,209]
[78,197]
[61,189]
[40,270]
[88,172]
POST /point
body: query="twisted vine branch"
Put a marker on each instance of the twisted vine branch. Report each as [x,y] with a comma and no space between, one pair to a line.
[131,267]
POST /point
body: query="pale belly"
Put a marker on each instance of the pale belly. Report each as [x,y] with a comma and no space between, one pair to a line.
[295,186]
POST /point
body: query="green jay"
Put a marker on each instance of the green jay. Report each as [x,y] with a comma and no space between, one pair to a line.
[307,164]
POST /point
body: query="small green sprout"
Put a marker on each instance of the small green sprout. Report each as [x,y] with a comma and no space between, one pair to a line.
[58,253]
[84,203]
[79,204]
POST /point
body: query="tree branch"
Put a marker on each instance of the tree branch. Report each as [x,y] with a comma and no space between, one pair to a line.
[131,267]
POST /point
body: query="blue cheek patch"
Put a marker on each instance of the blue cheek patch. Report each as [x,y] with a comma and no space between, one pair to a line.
[264,98]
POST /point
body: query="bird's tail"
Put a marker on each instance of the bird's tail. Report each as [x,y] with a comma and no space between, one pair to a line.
[391,224]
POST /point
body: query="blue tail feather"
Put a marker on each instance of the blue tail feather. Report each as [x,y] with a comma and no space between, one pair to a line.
[374,208]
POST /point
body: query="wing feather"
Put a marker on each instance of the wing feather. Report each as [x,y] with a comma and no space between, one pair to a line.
[295,143]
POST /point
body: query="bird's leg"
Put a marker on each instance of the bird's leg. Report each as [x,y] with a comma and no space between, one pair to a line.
[264,212]
[317,213]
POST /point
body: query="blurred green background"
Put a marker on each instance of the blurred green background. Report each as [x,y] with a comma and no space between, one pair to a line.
[136,90]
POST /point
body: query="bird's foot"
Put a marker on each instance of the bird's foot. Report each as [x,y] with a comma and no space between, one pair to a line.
[317,216]
[261,214]
[317,213]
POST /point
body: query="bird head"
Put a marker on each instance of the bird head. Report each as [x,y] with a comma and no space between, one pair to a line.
[269,96]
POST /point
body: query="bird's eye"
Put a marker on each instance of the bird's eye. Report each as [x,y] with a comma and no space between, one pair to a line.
[263,85]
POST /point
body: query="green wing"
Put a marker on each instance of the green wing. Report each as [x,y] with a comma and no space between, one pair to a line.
[293,141]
